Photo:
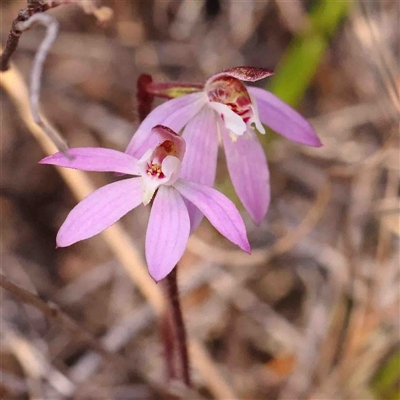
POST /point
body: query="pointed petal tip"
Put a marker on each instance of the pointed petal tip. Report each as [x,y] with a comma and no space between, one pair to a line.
[246,247]
[312,141]
[45,160]
[318,142]
[218,209]
[258,214]
[59,245]
[156,279]
[311,138]
[257,217]
[158,274]
[242,243]
[54,159]
[50,160]
[61,241]
[283,119]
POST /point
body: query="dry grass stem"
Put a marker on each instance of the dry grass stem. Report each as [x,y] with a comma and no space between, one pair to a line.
[262,256]
[51,25]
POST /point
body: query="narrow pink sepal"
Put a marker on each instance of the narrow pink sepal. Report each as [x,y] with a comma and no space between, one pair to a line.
[173,113]
[283,119]
[94,159]
[99,210]
[200,162]
[218,209]
[167,232]
[248,74]
[249,173]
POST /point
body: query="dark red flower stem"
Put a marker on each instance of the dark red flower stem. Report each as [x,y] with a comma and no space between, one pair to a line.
[168,340]
[177,327]
[144,97]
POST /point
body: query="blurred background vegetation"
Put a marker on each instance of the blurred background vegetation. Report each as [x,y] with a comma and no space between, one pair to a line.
[314,312]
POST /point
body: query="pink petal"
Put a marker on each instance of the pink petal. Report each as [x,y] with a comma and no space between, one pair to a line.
[99,210]
[94,159]
[248,170]
[218,209]
[201,136]
[173,113]
[284,119]
[248,74]
[167,232]
[200,161]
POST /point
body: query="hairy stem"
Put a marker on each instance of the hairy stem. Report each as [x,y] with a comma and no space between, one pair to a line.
[177,327]
[168,340]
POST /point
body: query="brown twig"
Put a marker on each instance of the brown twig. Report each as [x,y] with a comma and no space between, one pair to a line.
[35,364]
[54,313]
[261,256]
[33,7]
[34,13]
[51,25]
[132,324]
[26,18]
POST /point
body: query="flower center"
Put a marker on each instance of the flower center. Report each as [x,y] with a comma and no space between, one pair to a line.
[166,148]
[155,171]
[233,93]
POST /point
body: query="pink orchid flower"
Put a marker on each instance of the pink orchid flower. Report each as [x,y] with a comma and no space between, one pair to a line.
[225,110]
[157,170]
